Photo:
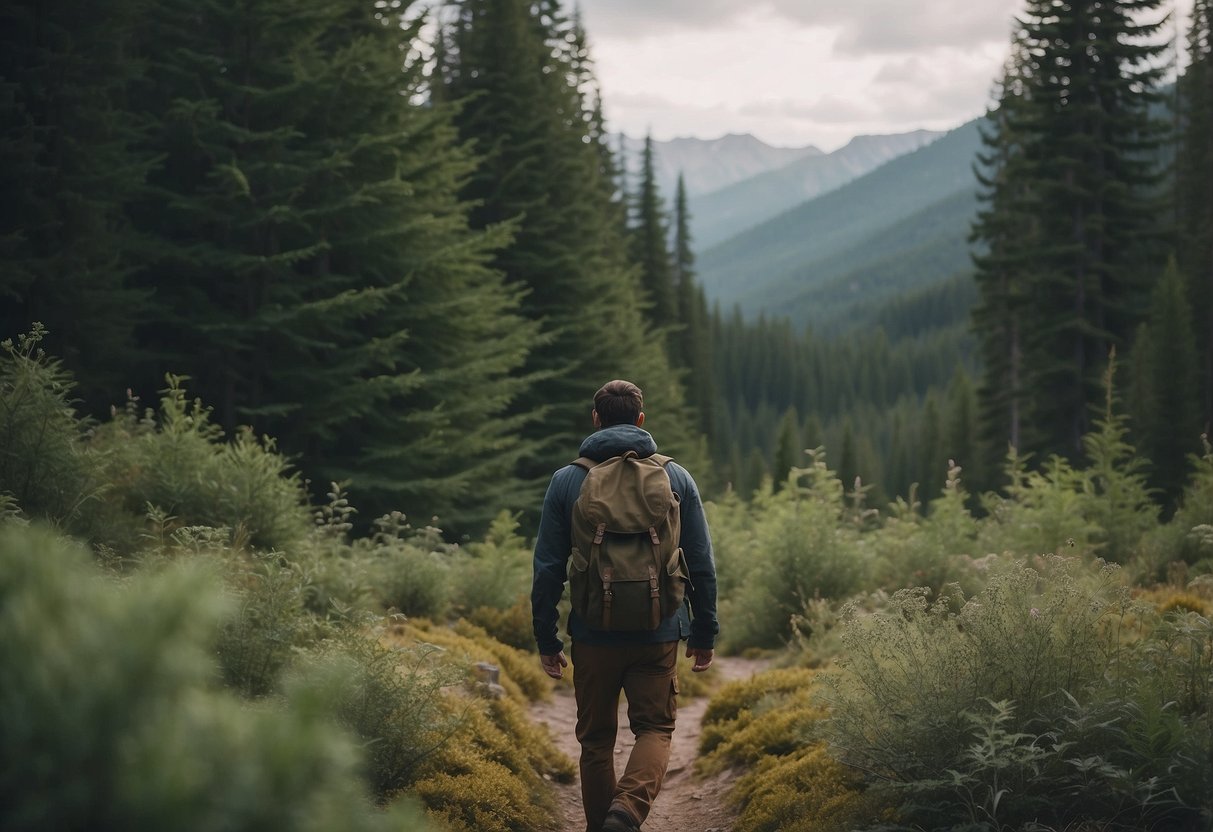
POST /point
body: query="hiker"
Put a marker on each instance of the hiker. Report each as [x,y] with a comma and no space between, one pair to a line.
[629,578]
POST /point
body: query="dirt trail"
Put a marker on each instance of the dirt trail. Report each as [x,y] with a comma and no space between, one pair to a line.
[686,803]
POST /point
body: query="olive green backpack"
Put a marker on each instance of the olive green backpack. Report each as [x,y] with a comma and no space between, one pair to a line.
[627,571]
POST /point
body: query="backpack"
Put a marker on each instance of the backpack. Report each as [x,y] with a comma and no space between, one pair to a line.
[627,571]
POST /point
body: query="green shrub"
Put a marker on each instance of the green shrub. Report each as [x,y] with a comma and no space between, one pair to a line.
[768,713]
[46,470]
[259,640]
[392,698]
[410,569]
[931,551]
[109,719]
[1194,518]
[513,625]
[1040,513]
[181,464]
[495,573]
[1105,508]
[1044,699]
[766,726]
[804,791]
[336,576]
[796,548]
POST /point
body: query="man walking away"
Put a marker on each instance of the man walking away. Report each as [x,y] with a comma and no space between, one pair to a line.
[632,525]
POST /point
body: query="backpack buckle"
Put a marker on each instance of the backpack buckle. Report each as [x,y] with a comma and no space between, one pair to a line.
[600,532]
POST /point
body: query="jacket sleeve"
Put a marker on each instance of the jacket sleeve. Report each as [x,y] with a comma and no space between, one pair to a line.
[550,567]
[697,548]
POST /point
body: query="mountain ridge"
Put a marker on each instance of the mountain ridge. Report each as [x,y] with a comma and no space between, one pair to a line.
[911,208]
[727,211]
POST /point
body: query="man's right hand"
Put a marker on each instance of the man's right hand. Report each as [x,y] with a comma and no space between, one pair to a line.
[554,665]
[702,657]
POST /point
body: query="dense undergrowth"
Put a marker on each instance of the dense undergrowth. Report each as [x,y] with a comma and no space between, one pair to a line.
[186,644]
[1045,663]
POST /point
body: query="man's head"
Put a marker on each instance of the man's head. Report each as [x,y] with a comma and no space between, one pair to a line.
[618,402]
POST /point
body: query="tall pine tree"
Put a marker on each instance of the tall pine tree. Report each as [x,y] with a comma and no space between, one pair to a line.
[650,245]
[313,269]
[1166,395]
[1081,140]
[693,348]
[520,71]
[1195,192]
[69,163]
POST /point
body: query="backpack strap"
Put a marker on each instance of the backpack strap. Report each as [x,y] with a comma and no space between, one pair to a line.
[585,462]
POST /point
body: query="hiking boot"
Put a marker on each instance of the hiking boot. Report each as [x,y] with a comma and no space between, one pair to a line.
[617,821]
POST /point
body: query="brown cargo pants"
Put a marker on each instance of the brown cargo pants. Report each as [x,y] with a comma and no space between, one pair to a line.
[648,674]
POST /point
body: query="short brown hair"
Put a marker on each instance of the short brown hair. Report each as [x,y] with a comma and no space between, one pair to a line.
[618,402]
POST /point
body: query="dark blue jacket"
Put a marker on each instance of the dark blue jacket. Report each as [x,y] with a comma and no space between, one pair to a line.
[553,546]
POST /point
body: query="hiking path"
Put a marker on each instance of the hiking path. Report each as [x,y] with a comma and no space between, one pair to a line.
[687,803]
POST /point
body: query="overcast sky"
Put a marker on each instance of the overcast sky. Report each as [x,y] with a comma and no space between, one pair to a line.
[796,72]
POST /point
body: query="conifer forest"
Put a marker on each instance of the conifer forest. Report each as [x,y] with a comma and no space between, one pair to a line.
[303,301]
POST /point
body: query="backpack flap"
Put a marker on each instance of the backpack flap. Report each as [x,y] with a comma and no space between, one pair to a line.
[627,570]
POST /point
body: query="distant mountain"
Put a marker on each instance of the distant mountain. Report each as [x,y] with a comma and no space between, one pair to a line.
[710,164]
[730,210]
[897,229]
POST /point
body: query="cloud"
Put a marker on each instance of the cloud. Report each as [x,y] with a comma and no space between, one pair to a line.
[788,82]
[893,26]
[863,26]
[828,109]
[655,18]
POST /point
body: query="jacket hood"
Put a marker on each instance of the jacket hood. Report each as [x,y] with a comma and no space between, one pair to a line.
[615,440]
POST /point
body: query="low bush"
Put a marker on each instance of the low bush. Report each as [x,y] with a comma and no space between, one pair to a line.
[46,470]
[513,625]
[494,573]
[177,461]
[258,641]
[806,790]
[931,550]
[761,715]
[1048,698]
[793,547]
[521,676]
[766,726]
[109,718]
[392,698]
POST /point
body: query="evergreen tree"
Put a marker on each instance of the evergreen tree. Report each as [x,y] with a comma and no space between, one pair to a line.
[525,110]
[68,165]
[848,456]
[313,268]
[1082,137]
[650,248]
[1166,394]
[1006,227]
[1195,184]
[962,427]
[932,458]
[693,349]
[788,451]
